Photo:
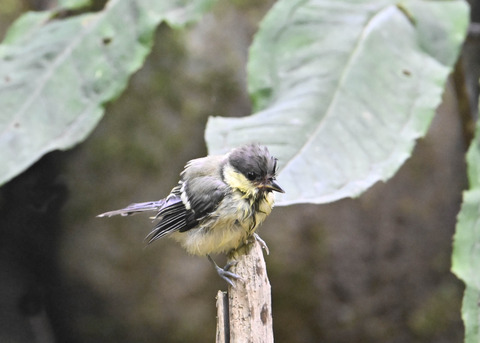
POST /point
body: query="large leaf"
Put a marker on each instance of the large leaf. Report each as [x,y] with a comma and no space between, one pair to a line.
[466,247]
[56,75]
[343,88]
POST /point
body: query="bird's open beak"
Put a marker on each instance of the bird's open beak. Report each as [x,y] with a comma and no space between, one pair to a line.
[272,186]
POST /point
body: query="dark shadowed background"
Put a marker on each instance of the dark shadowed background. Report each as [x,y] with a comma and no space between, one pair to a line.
[372,269]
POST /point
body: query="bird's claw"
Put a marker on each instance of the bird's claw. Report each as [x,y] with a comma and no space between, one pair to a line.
[225,272]
[261,242]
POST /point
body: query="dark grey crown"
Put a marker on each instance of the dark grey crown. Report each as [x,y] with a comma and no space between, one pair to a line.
[254,161]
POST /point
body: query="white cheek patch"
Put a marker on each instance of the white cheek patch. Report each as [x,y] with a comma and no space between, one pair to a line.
[238,181]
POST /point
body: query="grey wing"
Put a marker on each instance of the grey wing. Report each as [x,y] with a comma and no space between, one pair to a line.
[193,200]
[203,194]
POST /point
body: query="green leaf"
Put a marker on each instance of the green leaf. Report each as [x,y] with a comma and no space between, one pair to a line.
[471,314]
[466,252]
[466,246]
[26,25]
[74,4]
[57,75]
[342,89]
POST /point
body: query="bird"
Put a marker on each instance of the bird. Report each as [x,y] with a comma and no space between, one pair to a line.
[217,205]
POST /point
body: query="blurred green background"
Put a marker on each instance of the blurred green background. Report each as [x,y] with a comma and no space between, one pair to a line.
[372,269]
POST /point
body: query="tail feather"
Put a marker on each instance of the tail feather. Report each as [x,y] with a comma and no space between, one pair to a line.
[136,208]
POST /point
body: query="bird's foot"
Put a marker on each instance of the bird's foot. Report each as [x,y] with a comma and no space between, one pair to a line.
[225,272]
[262,243]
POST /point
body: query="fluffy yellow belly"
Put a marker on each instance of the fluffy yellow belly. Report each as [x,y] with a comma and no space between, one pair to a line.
[221,234]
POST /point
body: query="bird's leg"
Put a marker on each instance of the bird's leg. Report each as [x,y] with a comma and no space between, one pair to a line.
[224,272]
[262,242]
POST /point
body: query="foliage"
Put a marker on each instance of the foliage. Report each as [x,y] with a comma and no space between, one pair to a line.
[466,248]
[343,89]
[57,74]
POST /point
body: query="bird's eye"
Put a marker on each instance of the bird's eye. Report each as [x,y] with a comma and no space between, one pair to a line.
[251,176]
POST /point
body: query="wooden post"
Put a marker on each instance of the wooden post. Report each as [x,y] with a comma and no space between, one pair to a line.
[244,314]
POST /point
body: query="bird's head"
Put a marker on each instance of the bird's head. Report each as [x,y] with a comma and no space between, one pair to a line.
[252,170]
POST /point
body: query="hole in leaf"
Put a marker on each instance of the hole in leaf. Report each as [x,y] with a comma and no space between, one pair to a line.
[106,40]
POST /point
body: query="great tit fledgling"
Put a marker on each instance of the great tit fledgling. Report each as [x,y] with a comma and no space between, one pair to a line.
[218,203]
